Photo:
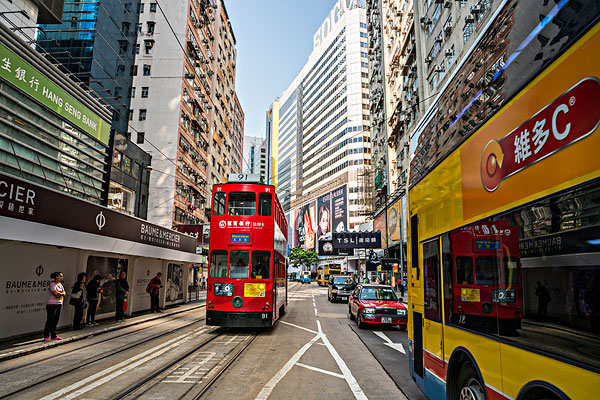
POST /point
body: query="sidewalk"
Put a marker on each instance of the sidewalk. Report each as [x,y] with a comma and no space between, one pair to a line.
[24,345]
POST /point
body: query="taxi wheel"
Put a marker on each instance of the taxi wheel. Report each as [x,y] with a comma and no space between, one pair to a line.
[360,324]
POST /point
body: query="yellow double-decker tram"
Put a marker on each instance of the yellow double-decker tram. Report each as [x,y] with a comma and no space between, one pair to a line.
[504,213]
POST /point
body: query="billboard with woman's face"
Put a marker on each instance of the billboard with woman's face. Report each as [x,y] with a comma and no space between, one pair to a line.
[324,217]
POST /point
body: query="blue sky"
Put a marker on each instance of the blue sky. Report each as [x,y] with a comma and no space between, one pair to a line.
[274,40]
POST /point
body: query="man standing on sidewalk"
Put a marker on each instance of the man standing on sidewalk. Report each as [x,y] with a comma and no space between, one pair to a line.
[153,287]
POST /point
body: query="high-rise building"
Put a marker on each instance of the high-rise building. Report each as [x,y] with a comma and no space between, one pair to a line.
[171,101]
[226,114]
[22,16]
[95,43]
[255,156]
[323,141]
[271,144]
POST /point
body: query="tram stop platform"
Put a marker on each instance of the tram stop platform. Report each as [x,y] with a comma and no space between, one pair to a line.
[24,345]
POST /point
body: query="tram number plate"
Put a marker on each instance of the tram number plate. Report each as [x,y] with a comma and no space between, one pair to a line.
[265,316]
[386,320]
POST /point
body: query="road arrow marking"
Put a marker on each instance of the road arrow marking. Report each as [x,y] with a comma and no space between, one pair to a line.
[388,342]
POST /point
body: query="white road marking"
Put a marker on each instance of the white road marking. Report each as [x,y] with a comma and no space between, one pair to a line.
[96,380]
[389,343]
[268,388]
[196,370]
[299,327]
[323,371]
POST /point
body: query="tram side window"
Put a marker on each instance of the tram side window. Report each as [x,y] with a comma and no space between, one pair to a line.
[242,203]
[264,204]
[218,264]
[219,204]
[261,265]
[510,270]
[238,264]
[464,270]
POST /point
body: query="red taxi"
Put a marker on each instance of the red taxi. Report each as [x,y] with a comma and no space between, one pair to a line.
[377,304]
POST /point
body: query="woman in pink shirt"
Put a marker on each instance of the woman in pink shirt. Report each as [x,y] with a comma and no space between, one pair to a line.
[55,301]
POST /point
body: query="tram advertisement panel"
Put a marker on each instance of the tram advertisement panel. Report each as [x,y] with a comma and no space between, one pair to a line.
[324,217]
[339,202]
[554,122]
[24,284]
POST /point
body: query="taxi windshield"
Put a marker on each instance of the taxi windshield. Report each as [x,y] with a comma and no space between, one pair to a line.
[378,294]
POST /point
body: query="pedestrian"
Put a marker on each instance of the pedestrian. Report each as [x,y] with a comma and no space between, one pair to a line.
[401,289]
[94,290]
[78,297]
[543,295]
[55,302]
[121,293]
[153,287]
[203,283]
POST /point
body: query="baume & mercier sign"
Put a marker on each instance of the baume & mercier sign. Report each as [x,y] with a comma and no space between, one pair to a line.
[30,202]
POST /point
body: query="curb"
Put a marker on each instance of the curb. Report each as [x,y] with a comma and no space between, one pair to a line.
[44,346]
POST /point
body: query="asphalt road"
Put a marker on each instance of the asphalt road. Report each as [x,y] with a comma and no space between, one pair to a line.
[313,352]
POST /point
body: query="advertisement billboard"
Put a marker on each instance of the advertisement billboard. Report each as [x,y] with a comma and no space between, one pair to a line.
[393,223]
[109,269]
[305,224]
[339,204]
[379,225]
[324,217]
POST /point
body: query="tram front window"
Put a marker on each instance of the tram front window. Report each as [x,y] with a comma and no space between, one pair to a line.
[218,264]
[261,261]
[485,270]
[238,264]
[464,270]
[242,203]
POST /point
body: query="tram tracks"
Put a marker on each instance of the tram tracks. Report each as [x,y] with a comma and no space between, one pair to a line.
[94,359]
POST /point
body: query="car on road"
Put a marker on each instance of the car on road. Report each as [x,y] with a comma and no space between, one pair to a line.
[340,287]
[377,305]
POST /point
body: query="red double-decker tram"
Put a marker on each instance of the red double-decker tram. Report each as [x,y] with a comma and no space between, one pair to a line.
[247,284]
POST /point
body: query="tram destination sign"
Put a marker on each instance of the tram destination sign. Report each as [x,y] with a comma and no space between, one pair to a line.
[357,240]
[30,202]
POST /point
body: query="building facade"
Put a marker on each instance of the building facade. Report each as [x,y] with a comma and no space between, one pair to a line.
[323,140]
[255,156]
[96,43]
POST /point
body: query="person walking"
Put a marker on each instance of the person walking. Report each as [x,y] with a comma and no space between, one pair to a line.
[543,295]
[54,306]
[153,287]
[78,298]
[94,290]
[121,293]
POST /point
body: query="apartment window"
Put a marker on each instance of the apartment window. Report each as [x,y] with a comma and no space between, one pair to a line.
[147,68]
[118,94]
[140,138]
[148,46]
[128,134]
[143,113]
[126,8]
[151,25]
[134,69]
[138,28]
[130,118]
[152,7]
[120,70]
[125,28]
[140,8]
[468,31]
[145,90]
[132,93]
[123,46]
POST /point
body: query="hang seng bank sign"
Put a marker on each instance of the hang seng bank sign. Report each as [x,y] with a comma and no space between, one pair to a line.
[31,81]
[30,202]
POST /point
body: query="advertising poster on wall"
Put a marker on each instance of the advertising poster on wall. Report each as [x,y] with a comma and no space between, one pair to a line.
[324,217]
[379,225]
[25,283]
[144,271]
[174,284]
[305,225]
[393,222]
[404,218]
[109,269]
[339,204]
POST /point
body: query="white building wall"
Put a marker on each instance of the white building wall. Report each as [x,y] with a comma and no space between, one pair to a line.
[162,105]
[25,24]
